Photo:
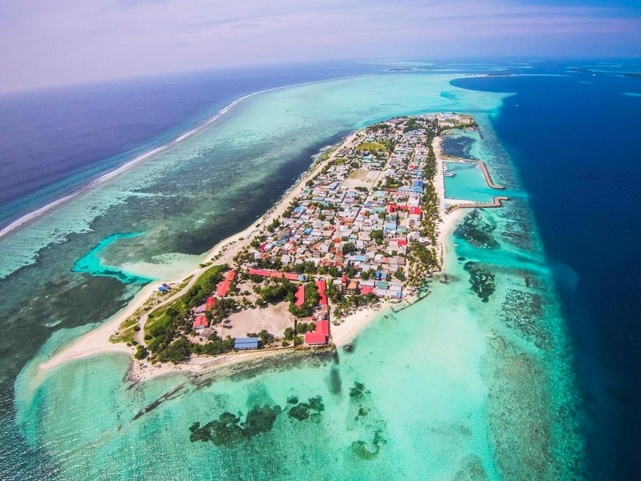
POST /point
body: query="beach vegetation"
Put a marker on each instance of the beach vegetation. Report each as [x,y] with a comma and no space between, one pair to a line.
[348,304]
[141,352]
[127,330]
[265,337]
[273,225]
[177,351]
[289,333]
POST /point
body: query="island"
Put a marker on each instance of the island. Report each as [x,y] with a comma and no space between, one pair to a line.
[362,230]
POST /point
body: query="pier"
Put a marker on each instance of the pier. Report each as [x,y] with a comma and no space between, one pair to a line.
[496,202]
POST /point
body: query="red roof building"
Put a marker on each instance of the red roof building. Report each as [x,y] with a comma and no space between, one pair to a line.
[315,338]
[259,272]
[222,289]
[210,303]
[322,327]
[416,211]
[321,285]
[399,241]
[200,323]
[367,290]
[300,296]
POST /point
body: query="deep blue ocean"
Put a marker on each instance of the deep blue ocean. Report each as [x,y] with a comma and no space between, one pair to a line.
[576,149]
[53,142]
[575,146]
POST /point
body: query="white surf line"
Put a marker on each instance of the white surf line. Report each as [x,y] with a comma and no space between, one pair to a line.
[125,167]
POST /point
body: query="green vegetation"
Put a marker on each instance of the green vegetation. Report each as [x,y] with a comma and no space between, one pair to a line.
[377,236]
[274,225]
[278,291]
[312,297]
[127,330]
[399,274]
[167,326]
[141,352]
[214,347]
[392,183]
[265,337]
[345,305]
[372,147]
[349,248]
[413,124]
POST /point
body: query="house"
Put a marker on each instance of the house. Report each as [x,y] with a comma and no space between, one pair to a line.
[415,214]
[200,323]
[211,301]
[200,309]
[322,327]
[320,334]
[223,287]
[417,186]
[315,339]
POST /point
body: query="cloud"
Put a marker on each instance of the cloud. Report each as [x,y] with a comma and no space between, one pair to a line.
[43,42]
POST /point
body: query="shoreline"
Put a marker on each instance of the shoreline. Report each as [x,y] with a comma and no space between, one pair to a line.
[115,172]
[97,341]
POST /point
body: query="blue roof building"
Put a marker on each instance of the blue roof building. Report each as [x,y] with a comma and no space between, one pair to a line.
[243,343]
[417,186]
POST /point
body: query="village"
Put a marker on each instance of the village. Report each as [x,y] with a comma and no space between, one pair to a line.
[361,231]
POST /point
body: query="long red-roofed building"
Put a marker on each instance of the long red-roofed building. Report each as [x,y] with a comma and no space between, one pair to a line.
[300,296]
[321,286]
[292,276]
[223,287]
[259,272]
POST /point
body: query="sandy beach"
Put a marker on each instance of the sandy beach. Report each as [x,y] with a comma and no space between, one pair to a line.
[97,341]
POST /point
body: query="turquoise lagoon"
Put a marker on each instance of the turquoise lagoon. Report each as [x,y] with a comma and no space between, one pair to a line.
[455,387]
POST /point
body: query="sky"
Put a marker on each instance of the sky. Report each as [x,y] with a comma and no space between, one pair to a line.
[47,43]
